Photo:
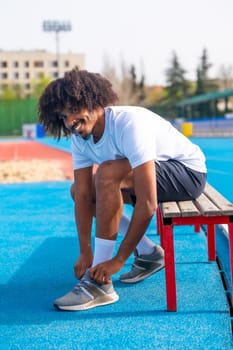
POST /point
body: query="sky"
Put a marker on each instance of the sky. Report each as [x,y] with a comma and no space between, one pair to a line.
[143,33]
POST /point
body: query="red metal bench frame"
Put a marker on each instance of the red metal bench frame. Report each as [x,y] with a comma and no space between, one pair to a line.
[165,229]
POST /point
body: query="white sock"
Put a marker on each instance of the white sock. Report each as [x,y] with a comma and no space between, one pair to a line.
[145,246]
[103,250]
[124,224]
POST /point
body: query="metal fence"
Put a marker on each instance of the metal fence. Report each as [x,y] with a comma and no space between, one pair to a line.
[15,113]
[208,127]
[215,127]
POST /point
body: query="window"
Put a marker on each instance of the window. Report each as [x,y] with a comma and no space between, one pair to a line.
[26,64]
[38,64]
[26,75]
[53,74]
[15,64]
[15,75]
[4,75]
[3,64]
[53,64]
[66,64]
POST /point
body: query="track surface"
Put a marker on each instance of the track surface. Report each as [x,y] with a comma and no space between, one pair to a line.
[38,248]
[28,150]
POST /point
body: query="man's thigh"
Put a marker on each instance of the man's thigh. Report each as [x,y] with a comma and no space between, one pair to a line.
[177,182]
[174,182]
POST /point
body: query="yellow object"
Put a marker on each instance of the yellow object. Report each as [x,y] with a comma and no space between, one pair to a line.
[187,129]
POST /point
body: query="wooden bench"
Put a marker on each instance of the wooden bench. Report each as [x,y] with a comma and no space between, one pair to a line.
[210,209]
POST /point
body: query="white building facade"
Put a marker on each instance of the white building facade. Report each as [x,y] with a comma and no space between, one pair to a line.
[20,68]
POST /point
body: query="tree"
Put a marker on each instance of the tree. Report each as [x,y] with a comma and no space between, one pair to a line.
[39,84]
[130,91]
[137,87]
[8,93]
[203,85]
[177,86]
[225,77]
[12,92]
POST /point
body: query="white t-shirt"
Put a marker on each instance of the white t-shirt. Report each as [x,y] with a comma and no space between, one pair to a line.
[139,135]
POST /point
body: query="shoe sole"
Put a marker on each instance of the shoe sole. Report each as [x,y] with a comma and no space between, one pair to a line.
[139,278]
[99,301]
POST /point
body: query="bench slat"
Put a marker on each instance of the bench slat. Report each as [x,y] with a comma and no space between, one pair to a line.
[206,207]
[217,198]
[170,209]
[188,208]
[209,203]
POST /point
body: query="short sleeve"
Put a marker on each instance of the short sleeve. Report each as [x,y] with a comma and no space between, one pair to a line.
[79,159]
[137,141]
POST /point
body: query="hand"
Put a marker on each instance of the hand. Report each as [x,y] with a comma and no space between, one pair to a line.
[102,273]
[82,264]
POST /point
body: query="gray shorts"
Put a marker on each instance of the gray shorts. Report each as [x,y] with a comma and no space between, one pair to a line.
[176,182]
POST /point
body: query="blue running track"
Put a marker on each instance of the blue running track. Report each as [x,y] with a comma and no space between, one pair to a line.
[38,248]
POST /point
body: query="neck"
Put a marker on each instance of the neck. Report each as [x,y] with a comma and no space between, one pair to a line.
[98,129]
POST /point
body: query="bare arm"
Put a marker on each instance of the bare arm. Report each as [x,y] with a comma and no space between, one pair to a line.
[145,190]
[83,217]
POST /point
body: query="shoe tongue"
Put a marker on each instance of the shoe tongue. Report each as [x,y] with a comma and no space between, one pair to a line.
[86,275]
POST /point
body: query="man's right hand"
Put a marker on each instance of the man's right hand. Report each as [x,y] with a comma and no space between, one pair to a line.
[82,264]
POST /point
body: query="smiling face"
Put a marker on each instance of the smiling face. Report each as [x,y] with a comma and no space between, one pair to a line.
[83,122]
[79,122]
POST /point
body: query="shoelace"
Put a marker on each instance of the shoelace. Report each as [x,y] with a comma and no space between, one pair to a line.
[80,285]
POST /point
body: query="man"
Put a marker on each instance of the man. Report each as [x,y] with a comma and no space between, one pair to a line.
[142,159]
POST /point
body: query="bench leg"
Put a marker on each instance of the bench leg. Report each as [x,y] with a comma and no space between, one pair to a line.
[170,273]
[159,225]
[230,229]
[211,242]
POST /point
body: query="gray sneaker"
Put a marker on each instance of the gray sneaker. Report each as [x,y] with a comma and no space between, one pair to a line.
[86,295]
[144,266]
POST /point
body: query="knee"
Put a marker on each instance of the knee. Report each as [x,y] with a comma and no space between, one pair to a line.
[105,177]
[73,192]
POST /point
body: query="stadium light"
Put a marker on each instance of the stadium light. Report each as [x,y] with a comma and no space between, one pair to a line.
[57,27]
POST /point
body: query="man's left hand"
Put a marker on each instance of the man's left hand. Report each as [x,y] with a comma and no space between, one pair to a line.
[102,273]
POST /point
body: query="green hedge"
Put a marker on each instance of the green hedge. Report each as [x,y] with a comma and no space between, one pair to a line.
[15,113]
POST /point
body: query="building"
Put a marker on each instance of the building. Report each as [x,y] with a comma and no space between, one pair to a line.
[20,68]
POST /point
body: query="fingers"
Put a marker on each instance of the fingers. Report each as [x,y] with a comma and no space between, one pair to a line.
[100,275]
[79,270]
[82,265]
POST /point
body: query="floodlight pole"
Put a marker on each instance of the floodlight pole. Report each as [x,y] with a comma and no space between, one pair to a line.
[57,51]
[57,27]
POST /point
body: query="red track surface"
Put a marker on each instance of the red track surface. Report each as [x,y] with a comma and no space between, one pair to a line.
[32,150]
